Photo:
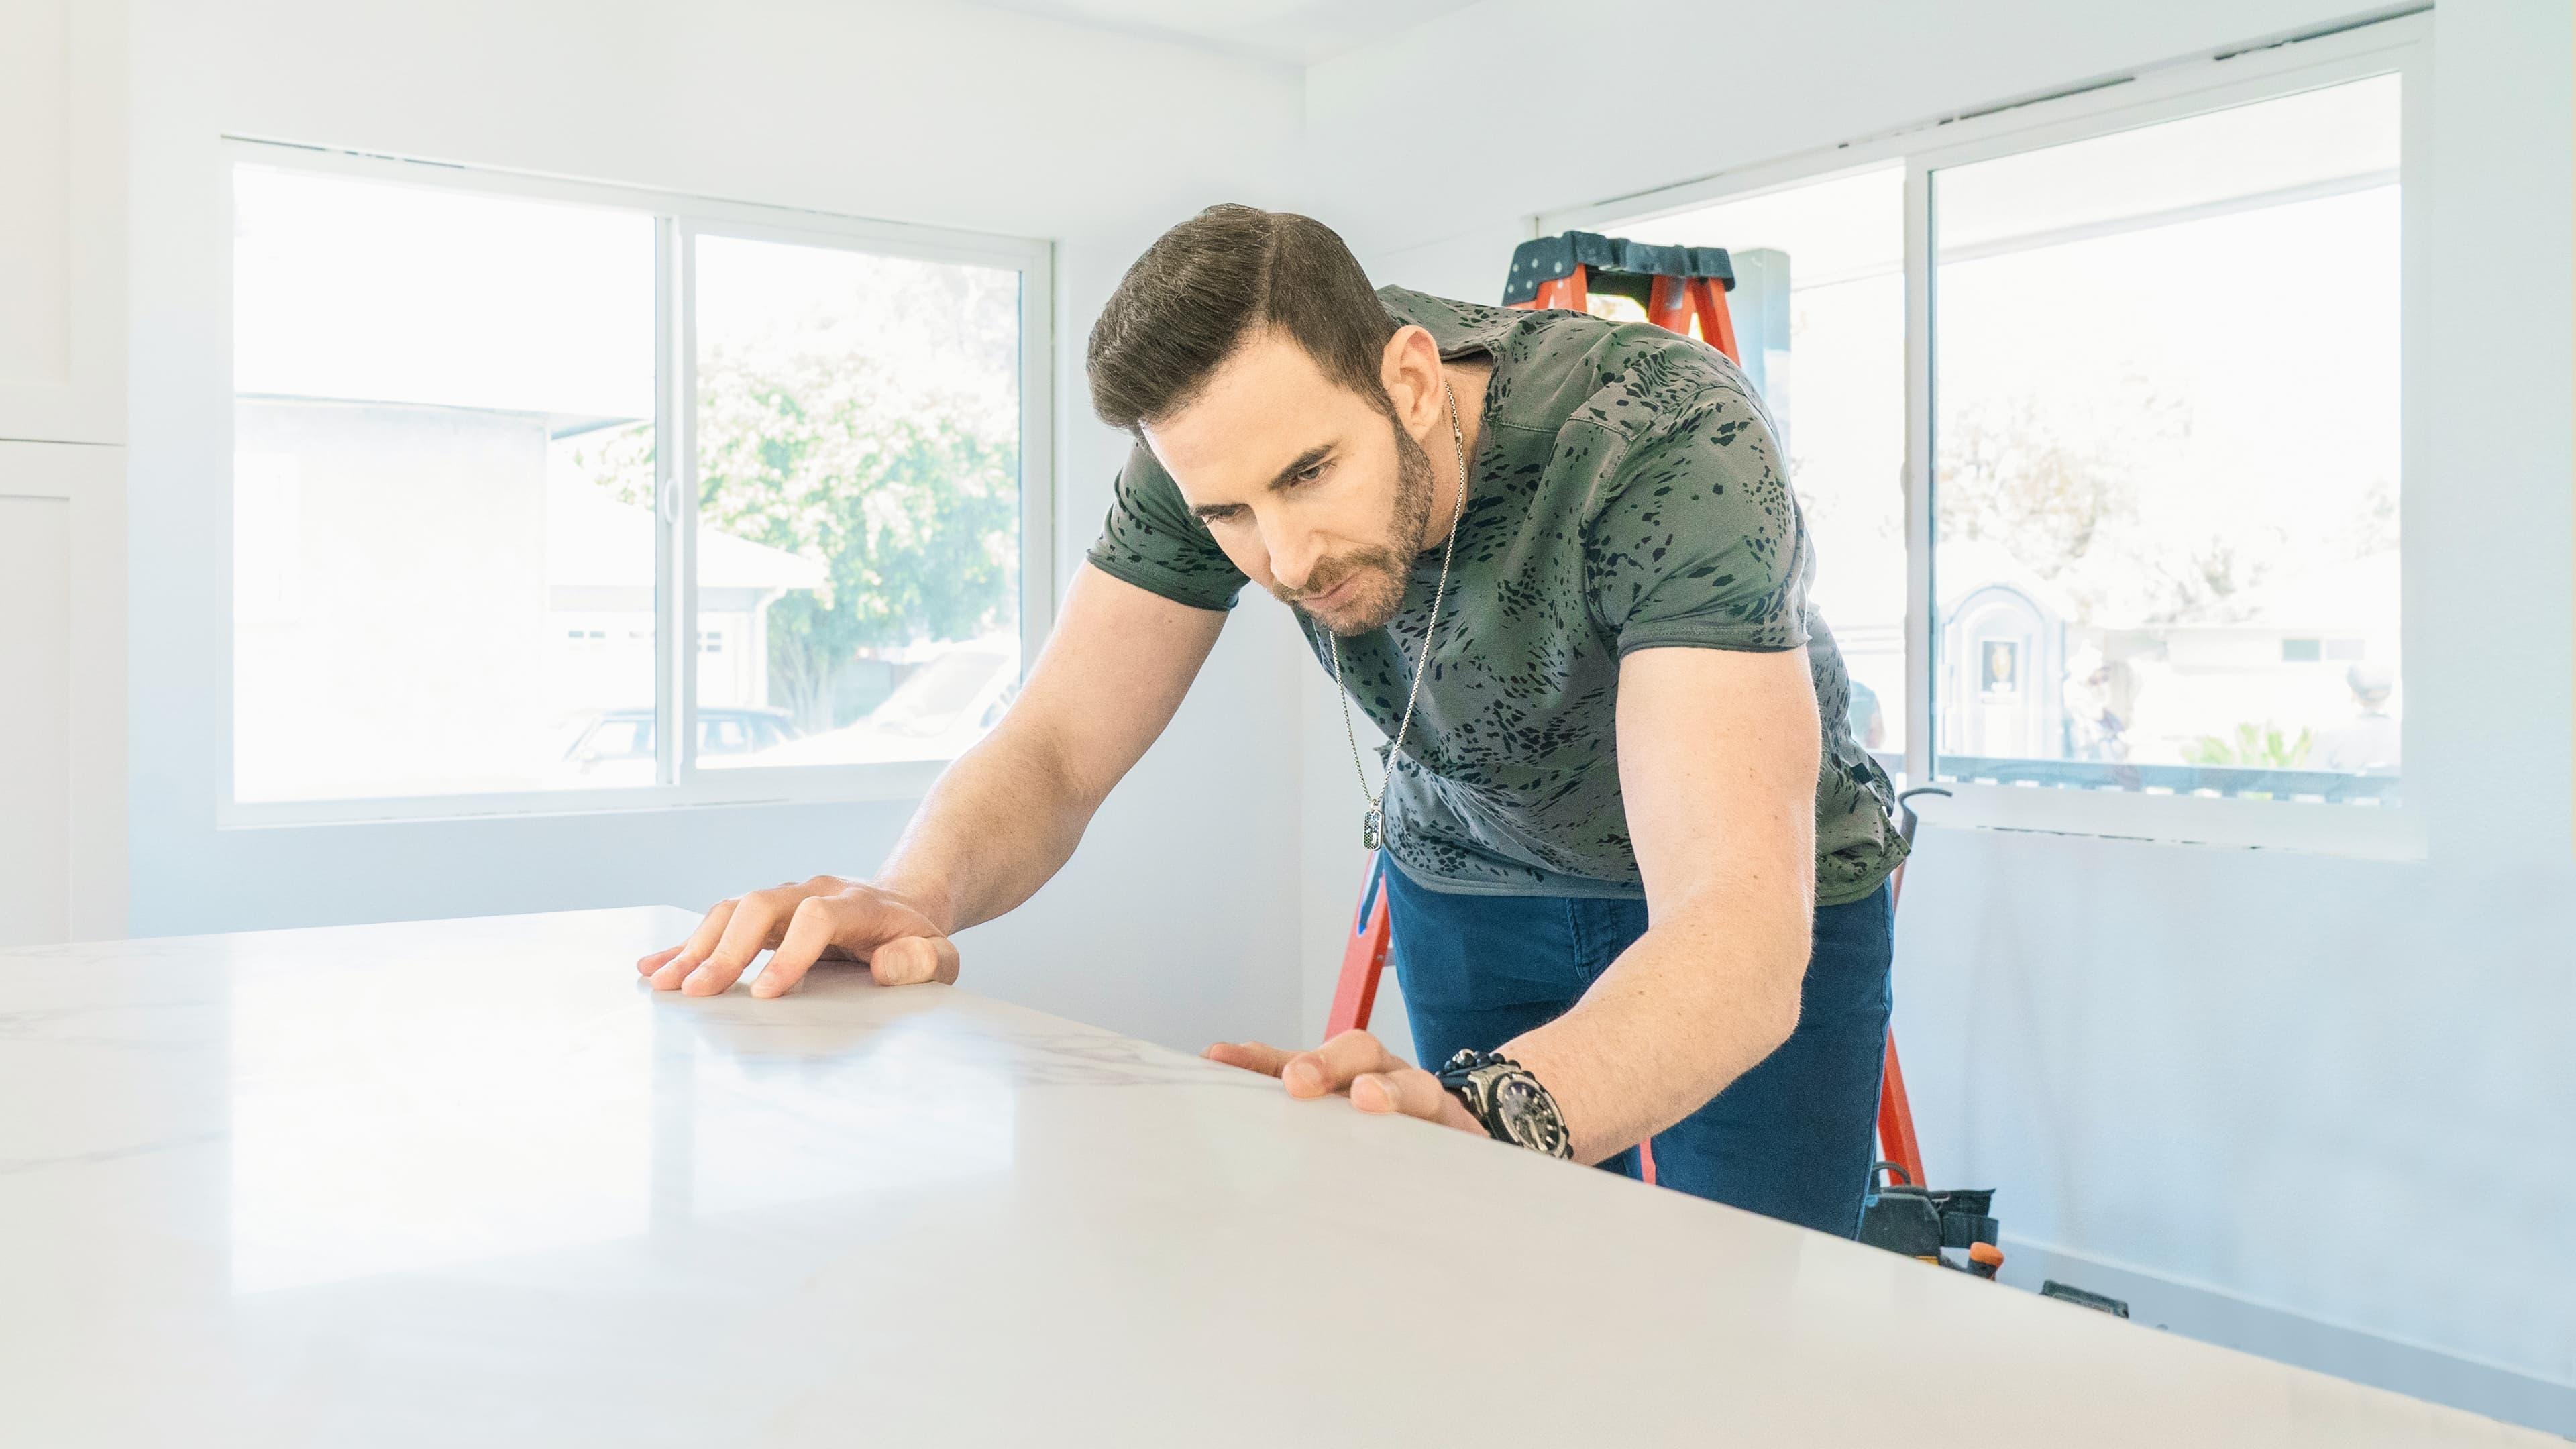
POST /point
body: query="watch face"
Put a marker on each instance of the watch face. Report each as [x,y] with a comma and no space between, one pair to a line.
[1529,1116]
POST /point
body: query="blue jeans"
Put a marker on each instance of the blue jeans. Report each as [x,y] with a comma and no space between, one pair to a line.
[1792,1139]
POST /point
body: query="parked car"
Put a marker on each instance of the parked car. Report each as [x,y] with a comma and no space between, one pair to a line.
[616,746]
[944,707]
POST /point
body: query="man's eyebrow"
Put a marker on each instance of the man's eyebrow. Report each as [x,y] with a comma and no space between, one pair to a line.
[1296,465]
[1301,463]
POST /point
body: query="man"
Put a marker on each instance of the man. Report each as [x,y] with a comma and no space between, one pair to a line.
[1638,864]
[2368,744]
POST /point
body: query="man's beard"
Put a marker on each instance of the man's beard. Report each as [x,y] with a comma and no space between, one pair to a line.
[1383,568]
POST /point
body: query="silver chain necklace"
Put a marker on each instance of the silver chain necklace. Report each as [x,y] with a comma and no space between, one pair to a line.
[1373,824]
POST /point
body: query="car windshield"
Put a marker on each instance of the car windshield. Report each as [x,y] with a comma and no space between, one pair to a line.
[940,690]
[619,739]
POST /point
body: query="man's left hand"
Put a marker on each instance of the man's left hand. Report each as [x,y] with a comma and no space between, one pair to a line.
[1358,1066]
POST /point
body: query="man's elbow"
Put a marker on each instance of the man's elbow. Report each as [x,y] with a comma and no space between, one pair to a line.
[1784,987]
[1779,1020]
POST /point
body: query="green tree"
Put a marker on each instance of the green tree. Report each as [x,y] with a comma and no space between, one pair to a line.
[911,507]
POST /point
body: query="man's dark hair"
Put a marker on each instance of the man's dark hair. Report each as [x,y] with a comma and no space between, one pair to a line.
[1202,286]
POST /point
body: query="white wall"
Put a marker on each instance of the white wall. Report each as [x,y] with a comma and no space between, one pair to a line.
[2315,1106]
[950,116]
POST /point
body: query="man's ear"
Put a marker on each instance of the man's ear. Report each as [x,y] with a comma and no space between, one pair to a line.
[1410,369]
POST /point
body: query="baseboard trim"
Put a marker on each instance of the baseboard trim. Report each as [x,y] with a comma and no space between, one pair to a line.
[2211,1315]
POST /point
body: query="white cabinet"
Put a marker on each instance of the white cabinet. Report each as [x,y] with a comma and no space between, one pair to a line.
[62,693]
[62,470]
[62,220]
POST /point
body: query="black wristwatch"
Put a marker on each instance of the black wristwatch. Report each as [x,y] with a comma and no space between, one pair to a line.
[1501,1094]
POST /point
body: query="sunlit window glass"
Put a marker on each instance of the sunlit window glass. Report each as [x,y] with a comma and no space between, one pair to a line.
[2166,456]
[858,460]
[434,592]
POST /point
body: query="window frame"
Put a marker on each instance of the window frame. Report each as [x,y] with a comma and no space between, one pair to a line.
[2401,45]
[679,219]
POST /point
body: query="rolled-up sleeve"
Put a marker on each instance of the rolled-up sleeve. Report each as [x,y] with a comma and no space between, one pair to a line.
[1151,540]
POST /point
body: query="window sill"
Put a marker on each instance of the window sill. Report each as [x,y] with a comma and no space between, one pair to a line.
[798,785]
[2362,832]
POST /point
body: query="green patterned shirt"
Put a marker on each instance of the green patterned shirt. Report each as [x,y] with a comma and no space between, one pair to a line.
[1627,495]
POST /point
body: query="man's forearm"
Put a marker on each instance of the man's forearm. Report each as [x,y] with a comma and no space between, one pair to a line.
[1697,1001]
[997,825]
[1004,819]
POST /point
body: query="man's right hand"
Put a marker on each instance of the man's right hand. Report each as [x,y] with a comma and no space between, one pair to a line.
[826,918]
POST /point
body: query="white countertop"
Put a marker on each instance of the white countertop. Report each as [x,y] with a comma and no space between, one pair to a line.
[471,1182]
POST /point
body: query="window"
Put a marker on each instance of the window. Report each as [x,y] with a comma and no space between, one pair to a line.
[411,371]
[861,412]
[2095,411]
[2165,452]
[531,476]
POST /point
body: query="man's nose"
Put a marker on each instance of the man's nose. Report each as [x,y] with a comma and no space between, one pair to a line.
[1294,552]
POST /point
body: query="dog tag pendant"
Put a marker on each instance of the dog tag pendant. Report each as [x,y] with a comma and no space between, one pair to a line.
[1372,829]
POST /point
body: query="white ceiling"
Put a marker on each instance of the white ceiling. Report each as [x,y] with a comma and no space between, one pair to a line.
[1295,32]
